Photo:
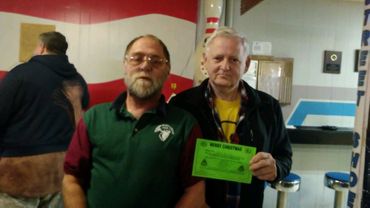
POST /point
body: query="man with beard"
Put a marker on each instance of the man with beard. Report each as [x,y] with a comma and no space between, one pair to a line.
[137,151]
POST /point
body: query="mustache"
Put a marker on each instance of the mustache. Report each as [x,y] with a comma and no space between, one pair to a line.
[141,75]
[137,77]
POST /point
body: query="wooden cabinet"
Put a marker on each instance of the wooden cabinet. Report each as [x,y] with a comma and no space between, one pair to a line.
[272,75]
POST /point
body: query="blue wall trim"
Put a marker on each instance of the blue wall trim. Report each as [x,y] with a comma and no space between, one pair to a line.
[321,108]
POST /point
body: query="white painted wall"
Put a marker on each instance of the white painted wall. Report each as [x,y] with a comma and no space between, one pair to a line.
[303,29]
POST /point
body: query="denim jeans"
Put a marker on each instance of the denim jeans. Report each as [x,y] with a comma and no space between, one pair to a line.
[48,201]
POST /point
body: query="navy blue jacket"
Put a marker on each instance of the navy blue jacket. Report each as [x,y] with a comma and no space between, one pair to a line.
[35,115]
[262,128]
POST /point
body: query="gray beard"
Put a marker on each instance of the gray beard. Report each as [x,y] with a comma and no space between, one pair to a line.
[143,89]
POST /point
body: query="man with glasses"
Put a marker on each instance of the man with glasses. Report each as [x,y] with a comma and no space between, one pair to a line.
[137,151]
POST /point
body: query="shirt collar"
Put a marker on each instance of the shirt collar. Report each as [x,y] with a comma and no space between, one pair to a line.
[119,106]
[210,95]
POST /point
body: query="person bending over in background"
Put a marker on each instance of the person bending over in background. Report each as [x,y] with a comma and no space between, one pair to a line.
[137,151]
[40,102]
[229,110]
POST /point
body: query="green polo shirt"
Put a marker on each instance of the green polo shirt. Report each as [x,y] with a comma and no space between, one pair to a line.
[138,163]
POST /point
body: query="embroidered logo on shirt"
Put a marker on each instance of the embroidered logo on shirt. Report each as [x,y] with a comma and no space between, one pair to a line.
[165,131]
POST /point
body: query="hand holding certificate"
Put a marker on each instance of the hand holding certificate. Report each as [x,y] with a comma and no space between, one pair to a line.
[220,160]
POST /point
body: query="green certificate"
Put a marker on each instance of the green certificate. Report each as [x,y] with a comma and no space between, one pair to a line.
[220,160]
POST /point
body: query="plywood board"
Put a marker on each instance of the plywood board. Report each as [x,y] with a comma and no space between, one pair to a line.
[29,38]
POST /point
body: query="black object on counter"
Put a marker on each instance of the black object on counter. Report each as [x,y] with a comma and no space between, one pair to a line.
[321,135]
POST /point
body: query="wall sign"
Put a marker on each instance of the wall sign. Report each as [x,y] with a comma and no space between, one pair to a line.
[29,37]
[332,61]
[357,54]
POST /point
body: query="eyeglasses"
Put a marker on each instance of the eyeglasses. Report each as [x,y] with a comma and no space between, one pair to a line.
[135,60]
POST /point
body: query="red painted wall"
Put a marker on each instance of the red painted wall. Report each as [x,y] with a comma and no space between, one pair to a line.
[66,14]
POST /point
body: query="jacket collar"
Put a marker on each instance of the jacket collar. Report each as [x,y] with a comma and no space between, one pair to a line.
[251,97]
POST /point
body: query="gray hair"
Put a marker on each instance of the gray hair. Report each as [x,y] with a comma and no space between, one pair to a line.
[229,33]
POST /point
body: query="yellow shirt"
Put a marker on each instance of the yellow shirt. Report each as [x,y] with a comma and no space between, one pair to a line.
[228,113]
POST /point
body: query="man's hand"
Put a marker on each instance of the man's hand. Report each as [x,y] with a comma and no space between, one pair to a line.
[263,166]
[74,95]
[193,197]
[73,194]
